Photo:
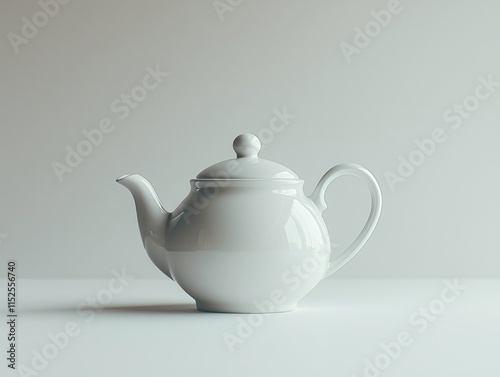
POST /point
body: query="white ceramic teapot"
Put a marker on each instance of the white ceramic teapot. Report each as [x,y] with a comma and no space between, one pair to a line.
[246,239]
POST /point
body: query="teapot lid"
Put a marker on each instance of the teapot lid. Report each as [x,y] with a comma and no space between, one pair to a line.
[247,164]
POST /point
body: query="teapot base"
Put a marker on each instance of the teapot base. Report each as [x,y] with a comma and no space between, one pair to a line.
[247,281]
[267,307]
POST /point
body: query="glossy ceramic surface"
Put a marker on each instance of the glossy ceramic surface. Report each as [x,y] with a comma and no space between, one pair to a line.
[246,238]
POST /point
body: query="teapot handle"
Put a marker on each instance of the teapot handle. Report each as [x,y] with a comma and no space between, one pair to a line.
[318,198]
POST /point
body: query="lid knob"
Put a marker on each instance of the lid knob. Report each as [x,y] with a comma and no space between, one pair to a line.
[247,145]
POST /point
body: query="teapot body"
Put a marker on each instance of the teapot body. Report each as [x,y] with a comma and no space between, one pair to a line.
[247,246]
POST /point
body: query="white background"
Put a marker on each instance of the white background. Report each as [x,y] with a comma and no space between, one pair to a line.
[226,77]
[228,74]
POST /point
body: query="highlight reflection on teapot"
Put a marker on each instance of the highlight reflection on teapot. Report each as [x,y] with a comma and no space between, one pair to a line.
[246,239]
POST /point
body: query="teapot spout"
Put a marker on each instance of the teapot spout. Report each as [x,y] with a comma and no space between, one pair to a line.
[153,219]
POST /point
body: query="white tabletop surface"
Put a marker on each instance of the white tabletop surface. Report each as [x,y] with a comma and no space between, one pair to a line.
[342,328]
